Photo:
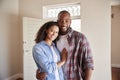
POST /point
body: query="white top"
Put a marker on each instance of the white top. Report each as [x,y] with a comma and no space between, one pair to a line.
[55,60]
[63,43]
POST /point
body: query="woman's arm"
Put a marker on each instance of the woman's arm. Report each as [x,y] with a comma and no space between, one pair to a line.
[42,60]
[41,76]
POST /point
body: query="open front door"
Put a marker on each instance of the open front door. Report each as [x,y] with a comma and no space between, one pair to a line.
[30,28]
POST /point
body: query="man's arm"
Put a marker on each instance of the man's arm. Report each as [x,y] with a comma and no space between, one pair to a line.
[88,74]
[88,64]
[40,75]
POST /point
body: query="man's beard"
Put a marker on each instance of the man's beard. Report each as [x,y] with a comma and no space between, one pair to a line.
[65,32]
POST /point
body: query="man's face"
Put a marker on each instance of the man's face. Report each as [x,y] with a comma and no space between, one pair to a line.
[64,22]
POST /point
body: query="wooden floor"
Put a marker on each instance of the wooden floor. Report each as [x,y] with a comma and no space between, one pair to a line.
[115,74]
[19,79]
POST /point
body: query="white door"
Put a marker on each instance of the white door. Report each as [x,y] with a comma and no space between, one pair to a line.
[30,28]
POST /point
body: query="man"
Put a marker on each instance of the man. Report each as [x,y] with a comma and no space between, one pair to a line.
[79,64]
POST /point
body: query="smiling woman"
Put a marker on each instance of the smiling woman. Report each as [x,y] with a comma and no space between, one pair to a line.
[46,55]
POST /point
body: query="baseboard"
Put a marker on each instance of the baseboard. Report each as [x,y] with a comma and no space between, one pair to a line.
[14,77]
[116,65]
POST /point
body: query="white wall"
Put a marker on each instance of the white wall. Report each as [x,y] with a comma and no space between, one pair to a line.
[33,8]
[115,35]
[95,24]
[9,38]
[115,2]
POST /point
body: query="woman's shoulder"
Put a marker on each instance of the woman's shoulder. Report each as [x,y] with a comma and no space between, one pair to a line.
[39,45]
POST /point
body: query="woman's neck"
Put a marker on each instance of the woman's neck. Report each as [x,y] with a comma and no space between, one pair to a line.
[49,42]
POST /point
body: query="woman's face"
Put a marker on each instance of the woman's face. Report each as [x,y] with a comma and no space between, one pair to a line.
[52,32]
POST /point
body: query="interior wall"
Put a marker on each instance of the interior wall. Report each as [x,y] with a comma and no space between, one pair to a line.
[115,2]
[9,38]
[95,24]
[35,11]
[115,26]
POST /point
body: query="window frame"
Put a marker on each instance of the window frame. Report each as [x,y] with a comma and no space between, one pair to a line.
[46,8]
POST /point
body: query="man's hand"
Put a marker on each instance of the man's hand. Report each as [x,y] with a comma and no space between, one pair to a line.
[40,75]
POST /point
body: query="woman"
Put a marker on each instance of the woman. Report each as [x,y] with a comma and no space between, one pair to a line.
[45,53]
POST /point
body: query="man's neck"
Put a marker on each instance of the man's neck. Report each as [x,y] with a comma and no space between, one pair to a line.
[65,32]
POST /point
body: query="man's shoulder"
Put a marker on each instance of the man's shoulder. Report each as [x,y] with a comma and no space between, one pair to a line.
[74,31]
[77,33]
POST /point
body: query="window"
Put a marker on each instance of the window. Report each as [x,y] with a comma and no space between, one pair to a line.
[51,12]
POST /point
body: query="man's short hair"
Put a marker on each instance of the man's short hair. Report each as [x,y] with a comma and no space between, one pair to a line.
[63,12]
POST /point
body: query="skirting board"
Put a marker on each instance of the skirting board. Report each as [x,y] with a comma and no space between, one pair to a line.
[116,65]
[14,77]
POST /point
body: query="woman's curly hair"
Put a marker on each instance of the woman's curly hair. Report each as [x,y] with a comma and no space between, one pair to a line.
[41,34]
